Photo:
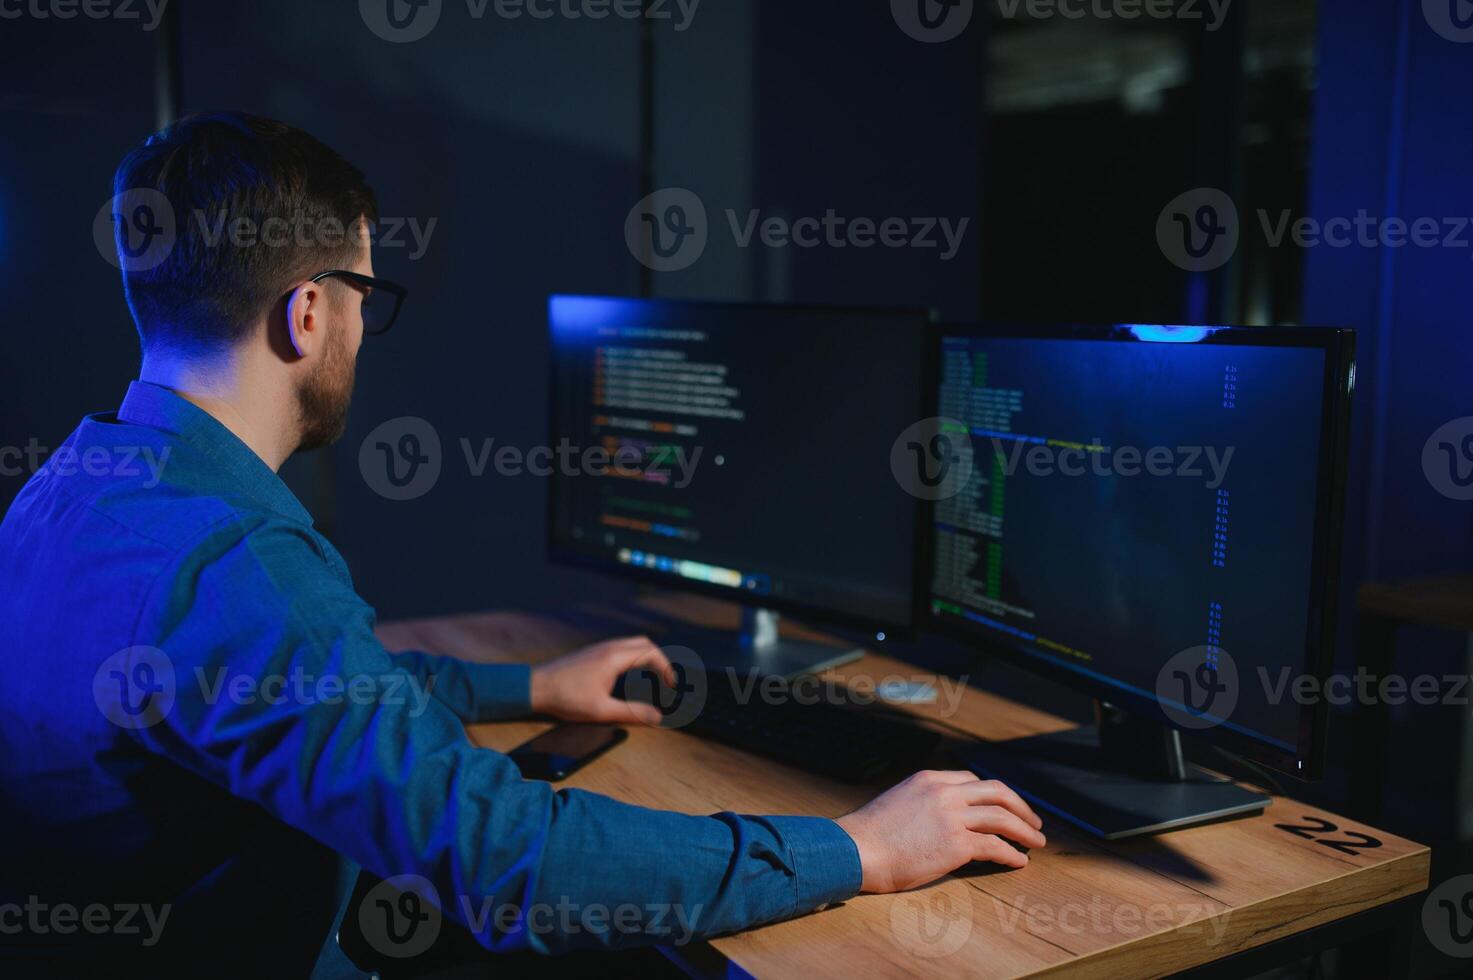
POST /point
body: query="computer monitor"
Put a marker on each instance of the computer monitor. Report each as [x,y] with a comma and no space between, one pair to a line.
[758,440]
[1151,514]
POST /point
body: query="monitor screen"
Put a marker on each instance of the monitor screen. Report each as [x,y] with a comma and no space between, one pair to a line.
[1143,512]
[750,449]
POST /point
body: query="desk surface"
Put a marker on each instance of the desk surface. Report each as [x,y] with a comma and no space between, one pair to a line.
[1143,907]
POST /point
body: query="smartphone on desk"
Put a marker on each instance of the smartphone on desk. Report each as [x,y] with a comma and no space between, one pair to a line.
[561,751]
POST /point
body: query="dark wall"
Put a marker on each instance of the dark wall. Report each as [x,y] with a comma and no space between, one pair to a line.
[1392,139]
[870,123]
[789,111]
[69,344]
[1389,142]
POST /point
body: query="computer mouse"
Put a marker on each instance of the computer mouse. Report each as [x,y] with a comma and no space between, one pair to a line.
[643,686]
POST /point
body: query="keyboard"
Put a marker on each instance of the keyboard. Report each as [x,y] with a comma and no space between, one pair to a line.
[851,744]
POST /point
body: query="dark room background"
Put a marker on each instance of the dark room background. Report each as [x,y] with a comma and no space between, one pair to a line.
[518,146]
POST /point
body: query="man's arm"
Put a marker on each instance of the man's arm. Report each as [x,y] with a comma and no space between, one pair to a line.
[473,692]
[575,687]
[353,755]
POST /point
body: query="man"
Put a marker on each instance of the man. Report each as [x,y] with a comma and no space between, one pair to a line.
[200,724]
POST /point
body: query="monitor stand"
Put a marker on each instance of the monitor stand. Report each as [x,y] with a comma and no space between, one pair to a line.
[757,648]
[1122,777]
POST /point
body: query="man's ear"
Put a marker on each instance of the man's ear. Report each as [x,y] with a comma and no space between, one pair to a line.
[304,318]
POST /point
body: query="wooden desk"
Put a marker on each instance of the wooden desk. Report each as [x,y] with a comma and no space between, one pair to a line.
[1083,907]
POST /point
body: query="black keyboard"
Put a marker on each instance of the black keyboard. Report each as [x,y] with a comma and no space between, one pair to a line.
[853,744]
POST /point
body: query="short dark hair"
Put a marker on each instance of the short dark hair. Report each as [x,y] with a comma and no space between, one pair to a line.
[233,182]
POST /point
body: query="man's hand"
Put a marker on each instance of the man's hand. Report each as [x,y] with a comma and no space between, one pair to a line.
[579,686]
[935,822]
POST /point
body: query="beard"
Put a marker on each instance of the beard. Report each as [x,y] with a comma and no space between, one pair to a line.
[323,398]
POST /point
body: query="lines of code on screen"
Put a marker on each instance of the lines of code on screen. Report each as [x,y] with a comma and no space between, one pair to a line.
[761,439]
[1129,501]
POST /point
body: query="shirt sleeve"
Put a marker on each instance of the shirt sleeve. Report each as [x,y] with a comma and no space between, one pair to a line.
[349,747]
[474,692]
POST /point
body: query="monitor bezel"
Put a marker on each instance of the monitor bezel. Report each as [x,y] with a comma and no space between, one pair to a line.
[1307,761]
[909,629]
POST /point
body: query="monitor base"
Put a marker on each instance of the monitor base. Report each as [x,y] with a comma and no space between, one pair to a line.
[757,648]
[1067,774]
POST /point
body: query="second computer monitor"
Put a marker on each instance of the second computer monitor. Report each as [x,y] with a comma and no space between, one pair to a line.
[757,440]
[1151,514]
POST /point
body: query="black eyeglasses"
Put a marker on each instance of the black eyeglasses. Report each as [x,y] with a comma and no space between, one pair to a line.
[382,299]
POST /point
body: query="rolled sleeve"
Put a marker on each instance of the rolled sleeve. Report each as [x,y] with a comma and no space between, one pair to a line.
[474,692]
[825,861]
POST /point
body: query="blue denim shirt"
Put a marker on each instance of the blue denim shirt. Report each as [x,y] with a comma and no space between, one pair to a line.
[199,720]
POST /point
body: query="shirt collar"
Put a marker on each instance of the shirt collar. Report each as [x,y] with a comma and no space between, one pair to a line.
[156,407]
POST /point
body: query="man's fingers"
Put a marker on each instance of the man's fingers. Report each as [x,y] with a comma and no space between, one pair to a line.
[648,714]
[991,792]
[987,791]
[618,712]
[1004,823]
[629,642]
[632,652]
[955,776]
[648,655]
[986,847]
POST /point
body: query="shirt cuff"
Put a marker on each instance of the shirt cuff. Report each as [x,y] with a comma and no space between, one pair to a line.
[825,860]
[500,690]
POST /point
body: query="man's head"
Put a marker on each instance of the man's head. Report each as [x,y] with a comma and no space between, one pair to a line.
[259,209]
